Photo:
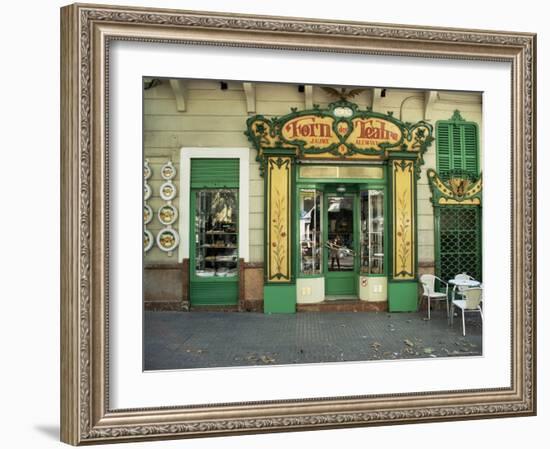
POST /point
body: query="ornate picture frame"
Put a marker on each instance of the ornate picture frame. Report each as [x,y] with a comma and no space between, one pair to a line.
[87,33]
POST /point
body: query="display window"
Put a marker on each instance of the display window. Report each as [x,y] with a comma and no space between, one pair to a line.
[216,231]
[372,232]
[311,249]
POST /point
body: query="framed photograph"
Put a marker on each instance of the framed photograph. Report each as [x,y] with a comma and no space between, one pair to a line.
[314,224]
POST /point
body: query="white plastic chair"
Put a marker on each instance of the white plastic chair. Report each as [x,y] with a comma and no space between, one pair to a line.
[428,285]
[458,289]
[463,277]
[470,303]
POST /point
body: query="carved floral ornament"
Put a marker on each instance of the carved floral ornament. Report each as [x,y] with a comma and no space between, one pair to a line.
[341,131]
[459,189]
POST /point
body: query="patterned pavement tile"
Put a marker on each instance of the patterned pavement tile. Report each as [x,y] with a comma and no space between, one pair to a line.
[180,340]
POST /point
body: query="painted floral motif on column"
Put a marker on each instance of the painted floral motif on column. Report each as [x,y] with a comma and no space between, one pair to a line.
[278,226]
[278,239]
[403,219]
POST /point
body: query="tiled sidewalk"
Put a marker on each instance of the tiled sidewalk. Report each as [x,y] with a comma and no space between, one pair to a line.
[176,340]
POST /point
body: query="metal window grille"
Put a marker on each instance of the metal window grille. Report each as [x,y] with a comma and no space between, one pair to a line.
[459,243]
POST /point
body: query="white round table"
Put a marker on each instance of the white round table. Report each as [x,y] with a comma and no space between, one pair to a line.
[465,282]
[457,283]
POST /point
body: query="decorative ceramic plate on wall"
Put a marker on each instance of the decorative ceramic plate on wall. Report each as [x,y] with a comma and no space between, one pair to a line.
[146,170]
[168,191]
[147,192]
[148,240]
[167,214]
[147,214]
[167,239]
[168,171]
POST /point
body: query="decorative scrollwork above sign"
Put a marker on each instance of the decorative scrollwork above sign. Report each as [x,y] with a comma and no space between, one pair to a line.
[341,131]
[460,189]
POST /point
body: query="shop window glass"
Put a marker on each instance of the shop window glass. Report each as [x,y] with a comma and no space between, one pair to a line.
[310,231]
[216,233]
[372,232]
[340,233]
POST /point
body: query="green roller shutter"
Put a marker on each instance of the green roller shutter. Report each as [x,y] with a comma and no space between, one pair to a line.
[214,173]
[215,293]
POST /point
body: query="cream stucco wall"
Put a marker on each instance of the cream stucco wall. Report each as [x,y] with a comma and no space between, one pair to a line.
[217,118]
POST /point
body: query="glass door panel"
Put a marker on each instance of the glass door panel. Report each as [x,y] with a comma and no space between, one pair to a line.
[311,250]
[372,232]
[340,260]
[340,233]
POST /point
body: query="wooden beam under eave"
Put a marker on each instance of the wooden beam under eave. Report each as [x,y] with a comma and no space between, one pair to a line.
[180,92]
[430,98]
[376,99]
[308,96]
[250,94]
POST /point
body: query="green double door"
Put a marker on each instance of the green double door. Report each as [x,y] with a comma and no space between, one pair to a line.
[341,242]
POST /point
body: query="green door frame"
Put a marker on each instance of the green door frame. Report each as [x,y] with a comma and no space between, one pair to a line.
[327,187]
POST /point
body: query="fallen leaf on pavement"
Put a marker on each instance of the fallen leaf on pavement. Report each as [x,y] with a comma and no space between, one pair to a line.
[376,345]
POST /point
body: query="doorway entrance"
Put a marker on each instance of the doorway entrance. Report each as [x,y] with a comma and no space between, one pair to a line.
[341,241]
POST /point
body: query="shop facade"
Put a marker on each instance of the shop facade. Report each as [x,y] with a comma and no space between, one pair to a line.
[333,205]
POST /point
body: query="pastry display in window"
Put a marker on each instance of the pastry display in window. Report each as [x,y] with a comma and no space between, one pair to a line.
[216,233]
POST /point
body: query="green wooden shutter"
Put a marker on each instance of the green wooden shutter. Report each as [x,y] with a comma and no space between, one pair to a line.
[457,148]
[443,135]
[214,173]
[471,163]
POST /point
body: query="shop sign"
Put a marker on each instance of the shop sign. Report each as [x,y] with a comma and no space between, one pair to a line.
[366,133]
[340,131]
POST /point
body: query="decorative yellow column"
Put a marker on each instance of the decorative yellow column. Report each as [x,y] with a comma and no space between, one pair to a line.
[278,179]
[279,289]
[403,220]
[403,286]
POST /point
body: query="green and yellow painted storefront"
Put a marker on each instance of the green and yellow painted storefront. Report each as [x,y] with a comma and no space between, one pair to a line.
[332,195]
[340,195]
